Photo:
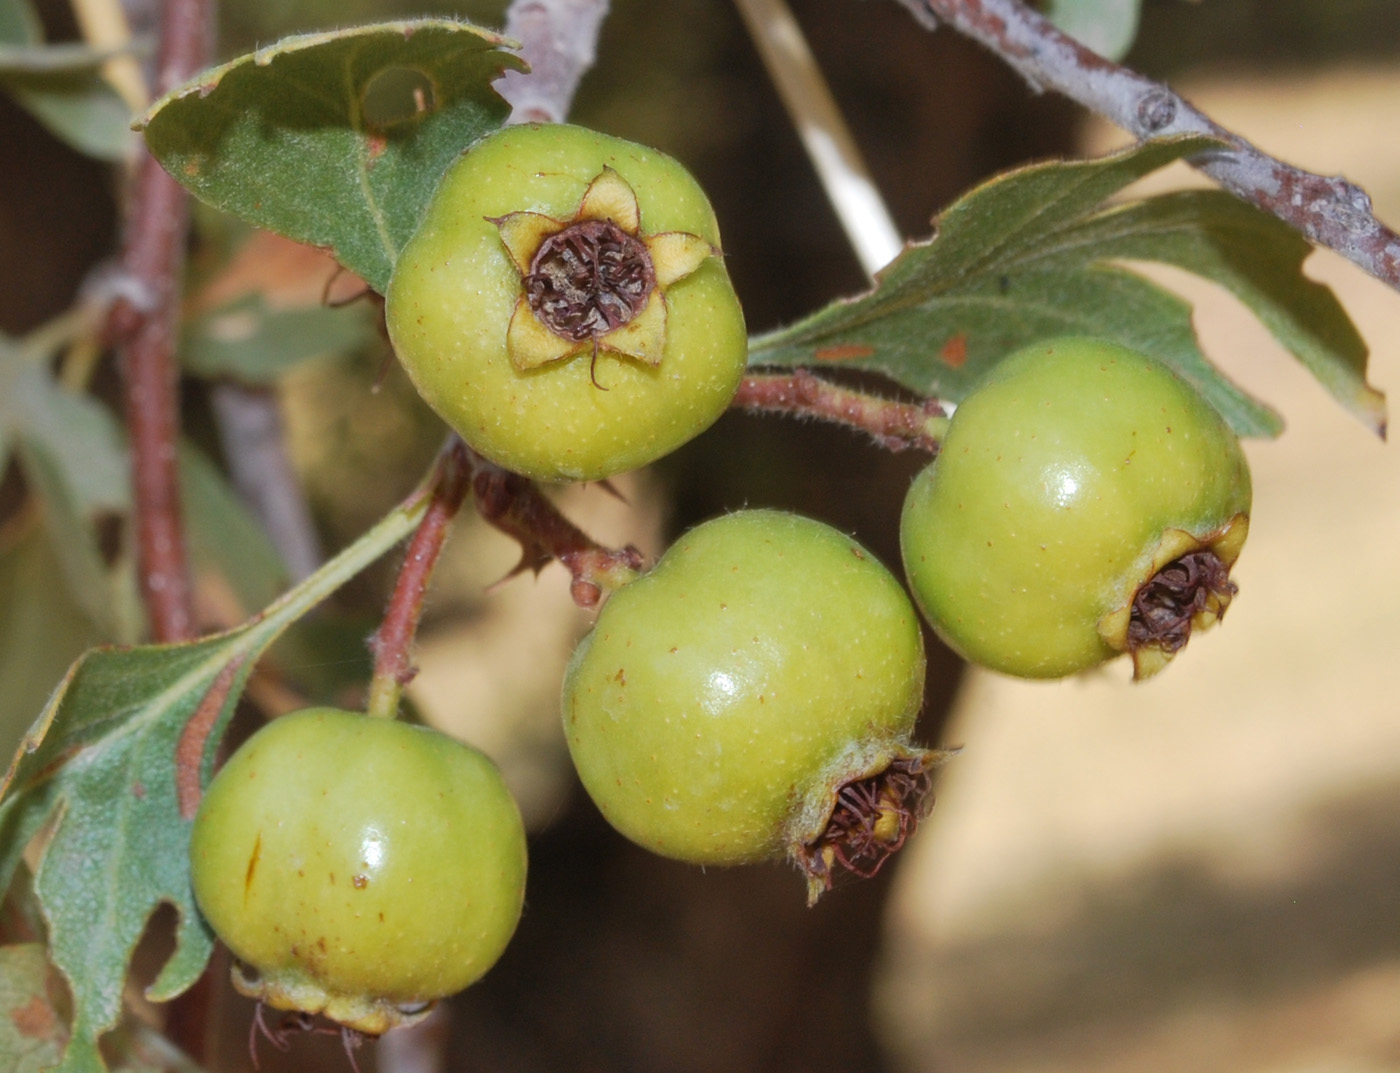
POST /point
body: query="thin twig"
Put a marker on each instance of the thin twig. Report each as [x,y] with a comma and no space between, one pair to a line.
[1330,211]
[830,145]
[558,39]
[146,332]
[393,641]
[892,424]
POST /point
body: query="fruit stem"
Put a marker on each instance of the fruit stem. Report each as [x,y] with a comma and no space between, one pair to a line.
[393,666]
[516,506]
[894,425]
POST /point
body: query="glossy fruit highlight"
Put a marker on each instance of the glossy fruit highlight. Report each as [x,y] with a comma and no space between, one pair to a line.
[752,697]
[358,868]
[564,306]
[1086,502]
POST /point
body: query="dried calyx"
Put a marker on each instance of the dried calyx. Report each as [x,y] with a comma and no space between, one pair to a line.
[1183,590]
[873,817]
[588,279]
[596,281]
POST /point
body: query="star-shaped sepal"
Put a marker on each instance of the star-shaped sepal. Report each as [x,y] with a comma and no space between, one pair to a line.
[594,282]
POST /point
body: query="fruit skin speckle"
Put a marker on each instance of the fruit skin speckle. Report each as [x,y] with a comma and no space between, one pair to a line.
[455,289]
[723,698]
[1068,478]
[360,868]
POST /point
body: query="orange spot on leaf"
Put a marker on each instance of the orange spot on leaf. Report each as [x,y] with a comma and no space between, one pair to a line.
[35,1019]
[954,351]
[844,352]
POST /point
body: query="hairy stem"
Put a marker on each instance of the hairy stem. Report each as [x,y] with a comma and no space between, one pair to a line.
[893,425]
[1330,211]
[393,641]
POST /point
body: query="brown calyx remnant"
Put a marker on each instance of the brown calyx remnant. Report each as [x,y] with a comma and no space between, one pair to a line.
[1166,606]
[589,279]
[873,818]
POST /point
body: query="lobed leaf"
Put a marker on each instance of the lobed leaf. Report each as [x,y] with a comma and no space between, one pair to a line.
[1034,253]
[335,139]
[112,770]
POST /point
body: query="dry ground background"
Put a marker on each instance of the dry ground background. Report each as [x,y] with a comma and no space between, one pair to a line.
[1202,873]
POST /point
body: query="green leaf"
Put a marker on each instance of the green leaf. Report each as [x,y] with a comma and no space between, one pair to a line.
[1106,26]
[82,110]
[74,459]
[224,536]
[31,1031]
[255,343]
[62,86]
[1033,253]
[42,630]
[317,137]
[19,25]
[70,58]
[114,765]
[1260,260]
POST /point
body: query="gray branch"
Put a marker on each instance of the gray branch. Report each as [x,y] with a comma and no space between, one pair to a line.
[558,39]
[1330,211]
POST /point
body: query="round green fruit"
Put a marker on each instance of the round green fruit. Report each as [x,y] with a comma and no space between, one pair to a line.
[752,697]
[563,304]
[358,868]
[1086,502]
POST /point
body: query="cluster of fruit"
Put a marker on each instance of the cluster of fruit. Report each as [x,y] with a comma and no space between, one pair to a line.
[565,308]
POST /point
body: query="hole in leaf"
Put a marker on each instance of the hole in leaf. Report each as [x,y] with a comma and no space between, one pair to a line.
[395,96]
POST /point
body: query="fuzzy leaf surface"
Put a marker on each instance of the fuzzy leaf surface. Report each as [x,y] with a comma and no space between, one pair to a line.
[114,766]
[31,1032]
[310,137]
[1035,253]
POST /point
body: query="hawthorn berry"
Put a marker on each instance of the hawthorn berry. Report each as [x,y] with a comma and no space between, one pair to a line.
[358,868]
[563,304]
[752,697]
[1086,502]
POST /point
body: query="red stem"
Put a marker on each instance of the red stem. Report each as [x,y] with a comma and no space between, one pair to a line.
[517,507]
[146,329]
[392,642]
[894,425]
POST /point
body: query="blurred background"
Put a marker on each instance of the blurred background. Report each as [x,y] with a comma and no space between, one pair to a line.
[1202,873]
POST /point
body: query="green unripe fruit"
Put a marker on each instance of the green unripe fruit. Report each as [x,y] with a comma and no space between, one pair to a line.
[723,702]
[563,304]
[360,868]
[1086,502]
